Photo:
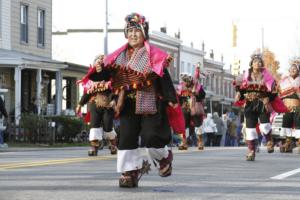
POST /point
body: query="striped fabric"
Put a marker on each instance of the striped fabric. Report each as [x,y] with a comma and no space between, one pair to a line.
[127,79]
[138,62]
[136,73]
[145,101]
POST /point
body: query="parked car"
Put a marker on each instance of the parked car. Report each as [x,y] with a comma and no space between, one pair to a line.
[277,126]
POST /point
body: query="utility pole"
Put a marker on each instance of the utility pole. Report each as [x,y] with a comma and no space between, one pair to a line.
[105,48]
[262,39]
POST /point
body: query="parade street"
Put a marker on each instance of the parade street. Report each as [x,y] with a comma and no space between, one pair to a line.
[215,173]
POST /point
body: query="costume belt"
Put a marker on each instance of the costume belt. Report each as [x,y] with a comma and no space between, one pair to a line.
[291,104]
[101,100]
[251,96]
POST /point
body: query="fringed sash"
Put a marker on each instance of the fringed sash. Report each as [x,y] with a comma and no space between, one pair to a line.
[139,61]
[137,64]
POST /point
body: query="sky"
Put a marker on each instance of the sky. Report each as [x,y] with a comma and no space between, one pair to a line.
[199,20]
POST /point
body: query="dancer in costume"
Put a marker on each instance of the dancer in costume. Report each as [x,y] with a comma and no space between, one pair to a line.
[191,95]
[97,91]
[145,89]
[290,94]
[257,91]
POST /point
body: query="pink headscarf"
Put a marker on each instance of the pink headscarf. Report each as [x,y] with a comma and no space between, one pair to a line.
[157,57]
[267,77]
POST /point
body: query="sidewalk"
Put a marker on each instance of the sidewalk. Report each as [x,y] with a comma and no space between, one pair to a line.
[21,149]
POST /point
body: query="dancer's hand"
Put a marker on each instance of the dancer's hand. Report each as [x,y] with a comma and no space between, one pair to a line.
[266,100]
[117,111]
[237,96]
[78,109]
[99,63]
[112,104]
[173,105]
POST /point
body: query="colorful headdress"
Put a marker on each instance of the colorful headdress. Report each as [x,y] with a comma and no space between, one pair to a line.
[135,20]
[186,78]
[256,55]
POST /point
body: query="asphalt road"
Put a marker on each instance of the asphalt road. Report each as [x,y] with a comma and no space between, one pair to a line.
[215,173]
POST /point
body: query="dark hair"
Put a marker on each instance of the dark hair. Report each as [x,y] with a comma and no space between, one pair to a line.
[254,57]
[146,29]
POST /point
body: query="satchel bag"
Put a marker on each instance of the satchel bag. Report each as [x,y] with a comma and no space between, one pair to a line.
[196,107]
[145,102]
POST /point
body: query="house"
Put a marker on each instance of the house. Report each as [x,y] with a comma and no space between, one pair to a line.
[27,69]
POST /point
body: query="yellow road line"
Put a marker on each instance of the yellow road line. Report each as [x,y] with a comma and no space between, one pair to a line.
[52,162]
[17,165]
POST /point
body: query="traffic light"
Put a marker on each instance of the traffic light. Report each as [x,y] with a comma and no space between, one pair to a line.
[236,66]
[234,35]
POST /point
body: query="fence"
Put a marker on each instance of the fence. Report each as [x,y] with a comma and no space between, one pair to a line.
[46,130]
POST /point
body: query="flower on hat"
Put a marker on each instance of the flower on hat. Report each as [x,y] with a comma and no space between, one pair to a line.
[136,18]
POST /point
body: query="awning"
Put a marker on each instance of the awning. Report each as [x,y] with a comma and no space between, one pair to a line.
[8,57]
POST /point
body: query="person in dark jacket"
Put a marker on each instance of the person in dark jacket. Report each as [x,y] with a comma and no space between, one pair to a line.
[257,90]
[98,93]
[145,89]
[4,113]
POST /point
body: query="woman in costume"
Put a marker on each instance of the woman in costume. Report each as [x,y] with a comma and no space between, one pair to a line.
[289,90]
[257,91]
[97,91]
[145,89]
[191,95]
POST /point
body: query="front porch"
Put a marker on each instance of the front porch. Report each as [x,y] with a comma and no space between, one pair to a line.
[38,85]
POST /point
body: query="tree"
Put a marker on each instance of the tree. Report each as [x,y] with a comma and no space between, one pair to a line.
[271,63]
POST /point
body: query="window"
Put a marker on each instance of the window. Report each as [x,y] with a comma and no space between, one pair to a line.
[217,85]
[229,90]
[208,86]
[175,67]
[24,23]
[193,70]
[41,27]
[182,67]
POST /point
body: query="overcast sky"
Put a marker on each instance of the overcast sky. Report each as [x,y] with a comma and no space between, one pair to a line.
[199,20]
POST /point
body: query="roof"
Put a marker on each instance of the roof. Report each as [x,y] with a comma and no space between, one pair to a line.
[9,57]
[77,67]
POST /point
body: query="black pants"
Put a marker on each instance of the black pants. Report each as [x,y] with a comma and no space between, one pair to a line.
[254,111]
[291,119]
[195,120]
[153,129]
[209,139]
[217,140]
[101,116]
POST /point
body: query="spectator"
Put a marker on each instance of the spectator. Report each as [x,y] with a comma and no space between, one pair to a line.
[232,132]
[220,127]
[33,106]
[209,129]
[4,113]
[224,131]
[239,133]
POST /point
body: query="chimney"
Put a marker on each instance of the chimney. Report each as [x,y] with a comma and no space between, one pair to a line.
[177,35]
[163,29]
[203,46]
[211,55]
